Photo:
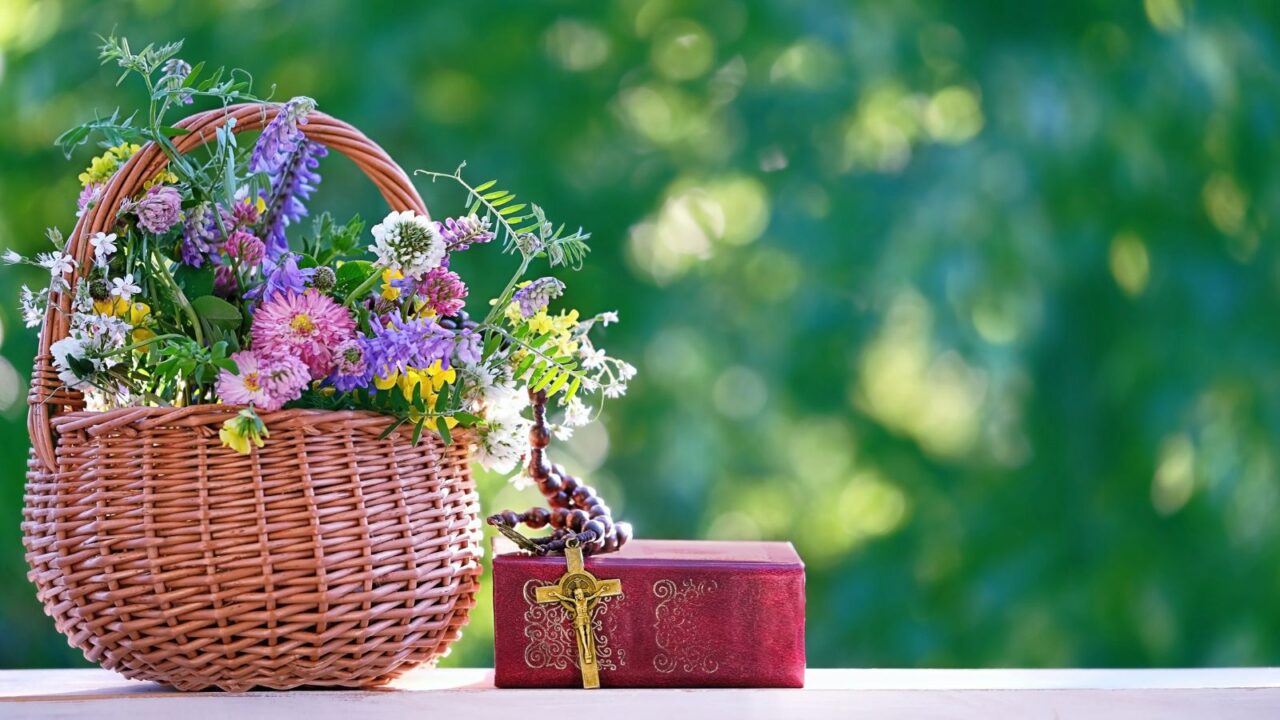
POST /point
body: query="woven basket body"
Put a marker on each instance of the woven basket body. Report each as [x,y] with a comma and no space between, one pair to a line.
[330,556]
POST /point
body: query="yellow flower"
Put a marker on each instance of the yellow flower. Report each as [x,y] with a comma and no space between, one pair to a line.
[386,383]
[105,165]
[388,291]
[138,313]
[565,323]
[245,428]
[112,307]
[512,313]
[541,323]
[163,177]
[566,346]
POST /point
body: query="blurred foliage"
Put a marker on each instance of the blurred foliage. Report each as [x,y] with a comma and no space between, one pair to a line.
[974,302]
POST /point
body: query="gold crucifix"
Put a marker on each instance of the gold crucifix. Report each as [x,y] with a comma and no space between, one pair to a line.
[579,593]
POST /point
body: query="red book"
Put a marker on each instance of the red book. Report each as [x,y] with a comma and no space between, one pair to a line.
[690,614]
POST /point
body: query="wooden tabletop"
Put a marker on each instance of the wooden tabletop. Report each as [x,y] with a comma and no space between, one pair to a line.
[457,694]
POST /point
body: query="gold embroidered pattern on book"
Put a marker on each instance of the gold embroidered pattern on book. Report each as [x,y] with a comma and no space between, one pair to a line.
[681,643]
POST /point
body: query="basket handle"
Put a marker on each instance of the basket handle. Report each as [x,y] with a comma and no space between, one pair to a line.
[47,394]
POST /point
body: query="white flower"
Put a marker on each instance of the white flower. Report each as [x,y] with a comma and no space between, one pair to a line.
[407,242]
[589,385]
[33,306]
[626,371]
[104,246]
[11,257]
[592,358]
[576,413]
[615,390]
[124,287]
[502,443]
[562,432]
[608,318]
[58,263]
[520,480]
[63,352]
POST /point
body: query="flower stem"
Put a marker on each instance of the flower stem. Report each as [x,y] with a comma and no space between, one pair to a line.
[363,287]
[190,312]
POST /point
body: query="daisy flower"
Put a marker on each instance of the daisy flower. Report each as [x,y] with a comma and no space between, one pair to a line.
[308,325]
[57,263]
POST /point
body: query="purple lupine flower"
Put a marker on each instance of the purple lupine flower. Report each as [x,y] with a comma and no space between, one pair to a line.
[281,275]
[463,232]
[281,137]
[537,295]
[199,236]
[351,367]
[402,344]
[291,185]
[159,209]
[466,346]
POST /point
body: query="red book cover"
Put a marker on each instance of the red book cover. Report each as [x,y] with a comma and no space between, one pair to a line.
[691,614]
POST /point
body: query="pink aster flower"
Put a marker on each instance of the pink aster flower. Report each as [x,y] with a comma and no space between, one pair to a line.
[265,381]
[158,210]
[308,326]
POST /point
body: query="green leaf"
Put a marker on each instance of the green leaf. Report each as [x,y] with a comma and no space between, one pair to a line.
[216,311]
[524,366]
[546,378]
[502,200]
[350,275]
[573,388]
[195,281]
[496,194]
[512,209]
[485,186]
[558,384]
[443,428]
[392,428]
[417,430]
[466,419]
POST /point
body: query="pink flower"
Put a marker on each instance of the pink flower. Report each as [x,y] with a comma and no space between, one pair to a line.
[158,210]
[265,381]
[443,291]
[247,247]
[308,326]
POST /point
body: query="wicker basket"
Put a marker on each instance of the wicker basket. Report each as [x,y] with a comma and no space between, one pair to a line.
[327,557]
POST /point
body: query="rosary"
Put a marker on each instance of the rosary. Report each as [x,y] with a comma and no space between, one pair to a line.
[581,524]
[576,511]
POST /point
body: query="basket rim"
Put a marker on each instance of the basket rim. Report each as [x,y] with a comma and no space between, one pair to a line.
[207,414]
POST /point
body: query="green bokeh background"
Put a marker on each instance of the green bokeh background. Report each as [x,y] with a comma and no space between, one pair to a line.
[976,303]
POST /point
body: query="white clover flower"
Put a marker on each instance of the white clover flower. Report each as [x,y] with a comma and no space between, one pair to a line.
[104,246]
[124,288]
[58,263]
[502,443]
[11,257]
[407,242]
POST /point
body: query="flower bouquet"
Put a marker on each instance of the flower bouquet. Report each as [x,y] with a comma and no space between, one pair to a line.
[252,434]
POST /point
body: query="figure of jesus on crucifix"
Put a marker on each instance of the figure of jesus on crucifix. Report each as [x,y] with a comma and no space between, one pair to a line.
[579,593]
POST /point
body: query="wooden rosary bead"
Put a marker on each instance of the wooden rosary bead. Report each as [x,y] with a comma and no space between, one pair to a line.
[510,517]
[537,517]
[594,526]
[570,483]
[600,510]
[559,516]
[550,484]
[577,520]
[610,543]
[539,468]
[583,495]
[539,437]
[606,522]
[559,500]
[623,530]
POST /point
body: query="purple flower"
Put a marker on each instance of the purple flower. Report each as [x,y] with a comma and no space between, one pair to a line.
[402,344]
[159,209]
[291,185]
[461,233]
[443,291]
[246,247]
[88,197]
[280,138]
[537,295]
[199,236]
[281,275]
[224,281]
[175,74]
[351,368]
[466,346]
